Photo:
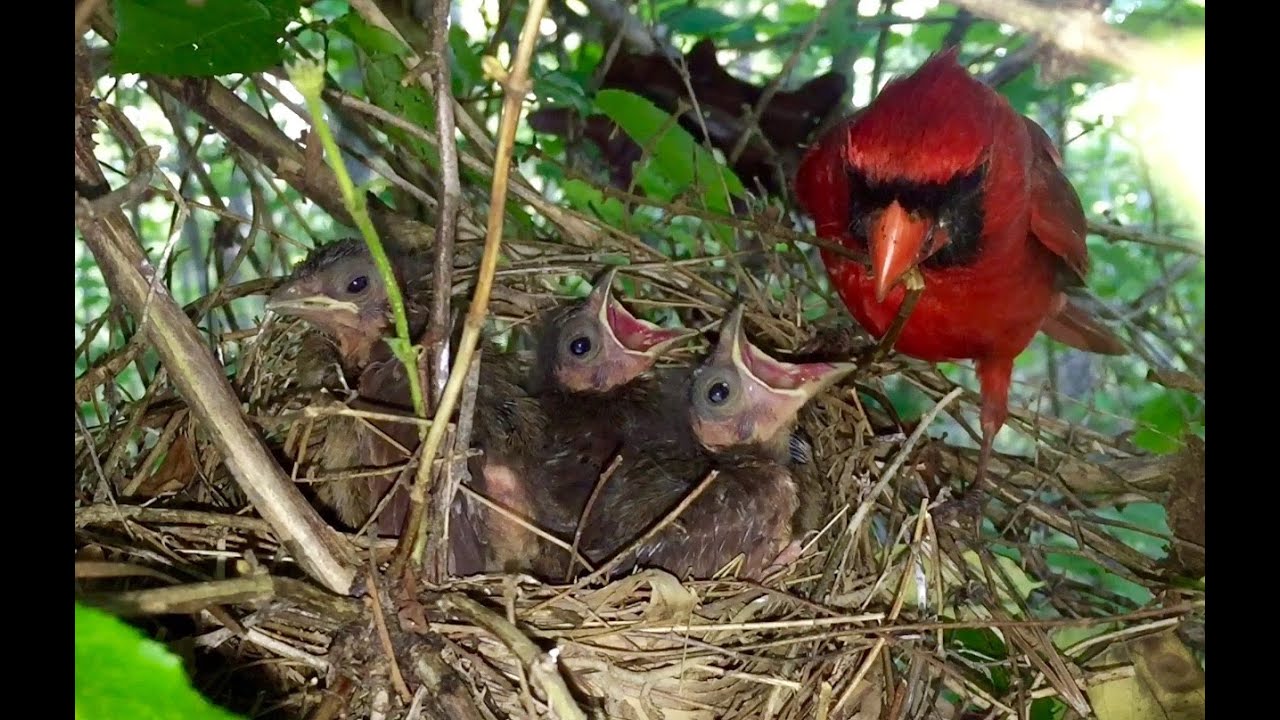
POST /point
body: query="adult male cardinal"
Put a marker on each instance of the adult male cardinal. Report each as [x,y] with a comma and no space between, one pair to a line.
[939,173]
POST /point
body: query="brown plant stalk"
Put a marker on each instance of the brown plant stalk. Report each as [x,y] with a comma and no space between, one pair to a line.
[515,87]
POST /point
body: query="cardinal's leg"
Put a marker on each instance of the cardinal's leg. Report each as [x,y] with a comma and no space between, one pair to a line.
[994,376]
[914,283]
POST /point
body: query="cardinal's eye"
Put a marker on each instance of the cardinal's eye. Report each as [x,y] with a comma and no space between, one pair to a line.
[580,346]
[718,393]
[358,285]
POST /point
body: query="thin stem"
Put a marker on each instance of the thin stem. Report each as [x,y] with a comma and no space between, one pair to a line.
[451,193]
[515,87]
[308,77]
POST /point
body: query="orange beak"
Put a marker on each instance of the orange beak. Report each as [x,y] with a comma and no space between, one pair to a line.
[896,239]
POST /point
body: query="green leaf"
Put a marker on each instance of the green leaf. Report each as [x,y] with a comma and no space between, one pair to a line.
[587,58]
[120,673]
[982,642]
[370,39]
[214,37]
[798,13]
[1149,515]
[1048,708]
[557,88]
[383,70]
[467,72]
[1021,581]
[1087,571]
[1065,638]
[587,198]
[1171,21]
[1164,419]
[984,646]
[697,21]
[673,151]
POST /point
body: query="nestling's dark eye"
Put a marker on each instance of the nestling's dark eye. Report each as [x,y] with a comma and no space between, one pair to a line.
[718,393]
[580,346]
[358,285]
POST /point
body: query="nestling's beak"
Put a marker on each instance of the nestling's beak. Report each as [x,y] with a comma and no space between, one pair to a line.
[298,300]
[732,338]
[775,390]
[630,333]
[802,380]
[896,240]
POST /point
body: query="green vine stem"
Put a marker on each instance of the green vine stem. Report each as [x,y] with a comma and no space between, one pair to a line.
[308,77]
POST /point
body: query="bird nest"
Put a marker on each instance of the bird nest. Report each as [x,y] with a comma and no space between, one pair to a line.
[889,612]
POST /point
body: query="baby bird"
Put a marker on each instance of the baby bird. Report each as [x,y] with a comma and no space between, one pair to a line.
[594,377]
[338,290]
[741,408]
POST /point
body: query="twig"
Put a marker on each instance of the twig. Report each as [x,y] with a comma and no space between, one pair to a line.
[442,682]
[629,27]
[882,45]
[101,514]
[755,626]
[914,282]
[905,628]
[104,485]
[454,475]
[512,517]
[1119,232]
[415,707]
[573,224]
[890,472]
[750,123]
[373,14]
[601,482]
[285,650]
[202,383]
[189,598]
[446,230]
[907,577]
[960,25]
[260,137]
[127,194]
[374,601]
[1014,63]
[450,196]
[516,86]
[541,668]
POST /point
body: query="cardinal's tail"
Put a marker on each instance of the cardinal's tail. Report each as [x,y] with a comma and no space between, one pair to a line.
[1074,326]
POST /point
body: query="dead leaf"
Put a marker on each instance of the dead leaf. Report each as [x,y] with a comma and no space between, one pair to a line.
[177,469]
[1176,380]
[1167,684]
[1186,509]
[668,599]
